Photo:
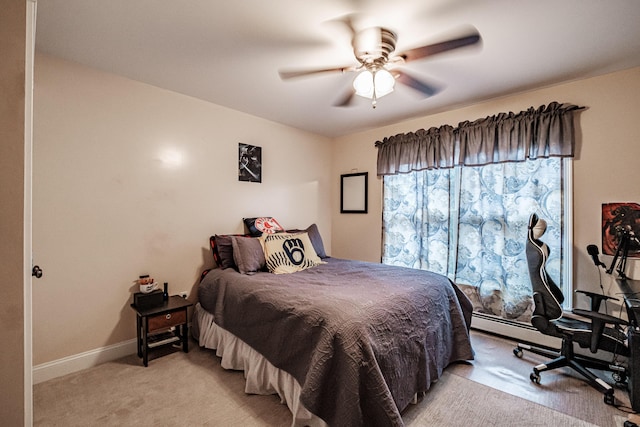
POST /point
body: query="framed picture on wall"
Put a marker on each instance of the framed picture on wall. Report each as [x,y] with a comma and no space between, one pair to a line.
[249,163]
[354,192]
[618,219]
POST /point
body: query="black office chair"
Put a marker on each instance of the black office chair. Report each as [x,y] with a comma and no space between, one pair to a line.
[588,329]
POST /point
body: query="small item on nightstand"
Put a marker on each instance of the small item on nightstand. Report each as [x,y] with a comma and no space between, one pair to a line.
[165,295]
[147,284]
[144,301]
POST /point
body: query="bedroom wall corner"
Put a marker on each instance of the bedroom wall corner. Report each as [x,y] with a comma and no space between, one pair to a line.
[356,235]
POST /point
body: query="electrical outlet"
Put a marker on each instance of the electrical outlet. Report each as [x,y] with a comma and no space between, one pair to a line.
[183,294]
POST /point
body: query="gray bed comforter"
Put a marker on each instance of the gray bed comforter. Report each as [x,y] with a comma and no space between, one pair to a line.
[360,338]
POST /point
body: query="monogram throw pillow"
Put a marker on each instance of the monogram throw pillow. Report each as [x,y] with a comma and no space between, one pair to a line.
[288,253]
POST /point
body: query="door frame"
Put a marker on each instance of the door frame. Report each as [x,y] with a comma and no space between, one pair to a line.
[30,38]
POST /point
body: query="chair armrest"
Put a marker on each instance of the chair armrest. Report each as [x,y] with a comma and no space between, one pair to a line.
[596,299]
[598,323]
[594,315]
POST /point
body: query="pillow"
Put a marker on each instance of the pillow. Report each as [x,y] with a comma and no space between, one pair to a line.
[214,250]
[222,250]
[225,251]
[248,254]
[316,239]
[263,224]
[288,253]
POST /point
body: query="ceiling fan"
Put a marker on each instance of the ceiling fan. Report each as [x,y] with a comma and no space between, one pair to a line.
[374,49]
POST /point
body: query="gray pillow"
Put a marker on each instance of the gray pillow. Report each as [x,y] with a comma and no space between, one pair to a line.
[222,251]
[316,240]
[248,254]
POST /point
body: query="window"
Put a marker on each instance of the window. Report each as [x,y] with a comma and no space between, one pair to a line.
[458,199]
[470,224]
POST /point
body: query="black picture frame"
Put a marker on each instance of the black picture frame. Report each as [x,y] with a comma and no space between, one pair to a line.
[354,193]
[249,163]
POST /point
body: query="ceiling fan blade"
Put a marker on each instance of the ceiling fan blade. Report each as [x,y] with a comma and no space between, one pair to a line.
[436,48]
[348,21]
[285,75]
[421,86]
[347,99]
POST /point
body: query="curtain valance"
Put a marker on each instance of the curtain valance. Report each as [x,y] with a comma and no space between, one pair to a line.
[547,131]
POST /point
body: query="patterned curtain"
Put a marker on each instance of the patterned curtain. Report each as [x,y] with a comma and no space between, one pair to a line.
[457,201]
[470,224]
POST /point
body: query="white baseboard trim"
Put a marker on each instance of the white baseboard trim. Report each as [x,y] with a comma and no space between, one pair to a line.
[78,362]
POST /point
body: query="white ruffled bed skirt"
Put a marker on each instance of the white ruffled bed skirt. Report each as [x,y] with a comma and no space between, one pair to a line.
[260,375]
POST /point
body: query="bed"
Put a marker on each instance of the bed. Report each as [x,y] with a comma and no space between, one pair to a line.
[343,342]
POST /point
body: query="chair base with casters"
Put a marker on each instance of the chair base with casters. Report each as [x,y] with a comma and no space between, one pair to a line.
[566,357]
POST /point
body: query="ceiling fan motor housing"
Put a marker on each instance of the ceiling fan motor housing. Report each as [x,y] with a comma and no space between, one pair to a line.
[373,46]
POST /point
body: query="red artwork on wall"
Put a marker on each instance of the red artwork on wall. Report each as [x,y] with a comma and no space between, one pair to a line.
[619,219]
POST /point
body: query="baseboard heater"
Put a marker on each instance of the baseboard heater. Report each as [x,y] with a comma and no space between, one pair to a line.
[524,333]
[510,329]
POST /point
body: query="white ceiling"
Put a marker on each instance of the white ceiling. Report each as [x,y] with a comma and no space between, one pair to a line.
[229,52]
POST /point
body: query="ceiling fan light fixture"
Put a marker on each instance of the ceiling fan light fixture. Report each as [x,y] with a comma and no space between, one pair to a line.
[363,84]
[384,83]
[374,84]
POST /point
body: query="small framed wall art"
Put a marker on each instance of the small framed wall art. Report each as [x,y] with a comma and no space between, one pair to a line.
[249,163]
[354,192]
[618,220]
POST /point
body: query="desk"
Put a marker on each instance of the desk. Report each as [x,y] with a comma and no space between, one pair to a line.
[631,290]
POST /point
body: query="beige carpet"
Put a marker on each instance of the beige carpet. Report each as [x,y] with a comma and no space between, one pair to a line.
[457,401]
[175,390]
[192,389]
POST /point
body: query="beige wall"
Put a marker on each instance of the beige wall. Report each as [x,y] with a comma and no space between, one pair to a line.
[131,179]
[12,121]
[606,169]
